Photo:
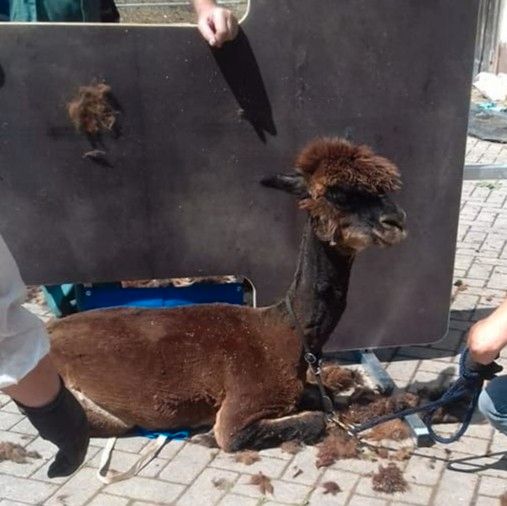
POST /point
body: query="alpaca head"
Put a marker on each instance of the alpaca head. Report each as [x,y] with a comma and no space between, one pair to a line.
[344,189]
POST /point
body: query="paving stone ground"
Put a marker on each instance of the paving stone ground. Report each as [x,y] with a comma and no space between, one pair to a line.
[472,471]
[485,153]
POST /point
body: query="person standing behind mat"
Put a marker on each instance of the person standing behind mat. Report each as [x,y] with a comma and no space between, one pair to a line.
[216,24]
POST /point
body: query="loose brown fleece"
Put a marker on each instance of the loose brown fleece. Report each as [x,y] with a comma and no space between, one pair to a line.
[331,487]
[16,453]
[395,430]
[370,404]
[263,482]
[402,454]
[247,457]
[91,110]
[389,480]
[337,445]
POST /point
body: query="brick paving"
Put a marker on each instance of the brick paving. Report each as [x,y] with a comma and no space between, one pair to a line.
[485,153]
[472,471]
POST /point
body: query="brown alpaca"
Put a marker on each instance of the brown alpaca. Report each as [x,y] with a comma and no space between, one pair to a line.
[238,369]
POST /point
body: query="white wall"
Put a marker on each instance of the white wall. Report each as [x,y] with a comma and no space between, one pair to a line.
[503,23]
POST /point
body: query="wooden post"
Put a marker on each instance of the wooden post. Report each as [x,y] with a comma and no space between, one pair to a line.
[501,53]
[487,52]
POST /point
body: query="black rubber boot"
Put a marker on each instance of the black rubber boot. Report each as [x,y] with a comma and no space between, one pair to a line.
[63,422]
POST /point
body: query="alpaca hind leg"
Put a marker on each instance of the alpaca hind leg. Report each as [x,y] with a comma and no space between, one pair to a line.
[206,439]
[101,422]
[307,427]
[311,398]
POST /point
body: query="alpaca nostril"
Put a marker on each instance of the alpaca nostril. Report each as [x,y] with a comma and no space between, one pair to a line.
[393,221]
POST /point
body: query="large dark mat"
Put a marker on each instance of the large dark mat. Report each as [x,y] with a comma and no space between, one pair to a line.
[200,128]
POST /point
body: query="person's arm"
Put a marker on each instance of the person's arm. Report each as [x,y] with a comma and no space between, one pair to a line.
[217,25]
[488,337]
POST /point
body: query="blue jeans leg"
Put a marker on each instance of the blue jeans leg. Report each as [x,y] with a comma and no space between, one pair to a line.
[493,403]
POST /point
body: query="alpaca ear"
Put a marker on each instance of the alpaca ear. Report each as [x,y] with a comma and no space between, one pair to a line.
[290,183]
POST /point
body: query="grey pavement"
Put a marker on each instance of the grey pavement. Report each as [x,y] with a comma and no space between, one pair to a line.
[485,153]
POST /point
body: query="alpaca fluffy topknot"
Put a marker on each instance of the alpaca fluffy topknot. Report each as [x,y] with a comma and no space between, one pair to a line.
[330,162]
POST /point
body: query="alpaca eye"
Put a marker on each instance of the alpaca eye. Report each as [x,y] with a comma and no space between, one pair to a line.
[336,196]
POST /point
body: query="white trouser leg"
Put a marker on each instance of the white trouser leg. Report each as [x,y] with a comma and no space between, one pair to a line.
[23,338]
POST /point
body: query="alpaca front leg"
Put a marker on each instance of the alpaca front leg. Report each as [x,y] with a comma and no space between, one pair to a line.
[311,398]
[307,427]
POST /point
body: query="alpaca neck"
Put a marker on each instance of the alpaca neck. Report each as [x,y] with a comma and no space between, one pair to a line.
[319,291]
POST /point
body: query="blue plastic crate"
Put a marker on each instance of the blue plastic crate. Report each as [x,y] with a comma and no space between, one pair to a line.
[113,295]
[61,299]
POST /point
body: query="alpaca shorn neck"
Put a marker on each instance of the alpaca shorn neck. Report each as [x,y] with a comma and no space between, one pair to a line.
[319,290]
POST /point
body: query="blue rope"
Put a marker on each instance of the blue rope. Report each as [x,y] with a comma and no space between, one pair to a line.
[469,384]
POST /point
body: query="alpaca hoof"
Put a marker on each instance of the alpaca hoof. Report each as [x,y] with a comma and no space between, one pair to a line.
[206,439]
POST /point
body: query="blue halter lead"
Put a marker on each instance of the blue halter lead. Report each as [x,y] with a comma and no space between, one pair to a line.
[468,385]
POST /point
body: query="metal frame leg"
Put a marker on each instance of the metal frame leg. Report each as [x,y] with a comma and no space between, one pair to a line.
[376,371]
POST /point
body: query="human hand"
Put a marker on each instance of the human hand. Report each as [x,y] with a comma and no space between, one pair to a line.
[485,341]
[487,372]
[217,25]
